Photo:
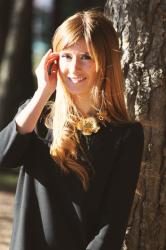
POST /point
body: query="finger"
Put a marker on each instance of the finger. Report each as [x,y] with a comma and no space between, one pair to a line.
[52,68]
[51,57]
[52,62]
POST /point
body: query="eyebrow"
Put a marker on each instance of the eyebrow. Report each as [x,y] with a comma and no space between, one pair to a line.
[68,52]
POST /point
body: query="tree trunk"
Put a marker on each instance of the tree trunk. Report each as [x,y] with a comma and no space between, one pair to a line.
[142,32]
[16,81]
[5,11]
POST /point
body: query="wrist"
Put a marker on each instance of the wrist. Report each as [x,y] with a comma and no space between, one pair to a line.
[43,93]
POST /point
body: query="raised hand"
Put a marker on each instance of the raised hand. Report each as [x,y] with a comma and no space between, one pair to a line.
[46,72]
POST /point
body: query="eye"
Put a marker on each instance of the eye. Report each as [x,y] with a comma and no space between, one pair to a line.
[66,56]
[86,57]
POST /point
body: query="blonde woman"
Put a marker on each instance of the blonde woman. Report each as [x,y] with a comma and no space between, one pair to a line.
[80,159]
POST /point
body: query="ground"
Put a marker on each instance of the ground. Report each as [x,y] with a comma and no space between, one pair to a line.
[6,218]
[8,181]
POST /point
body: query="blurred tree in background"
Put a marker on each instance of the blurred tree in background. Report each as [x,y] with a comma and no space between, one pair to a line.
[16,80]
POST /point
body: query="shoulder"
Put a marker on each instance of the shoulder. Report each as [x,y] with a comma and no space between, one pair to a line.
[133,129]
[127,131]
[128,127]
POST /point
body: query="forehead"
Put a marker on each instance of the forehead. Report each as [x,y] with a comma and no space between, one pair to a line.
[80,47]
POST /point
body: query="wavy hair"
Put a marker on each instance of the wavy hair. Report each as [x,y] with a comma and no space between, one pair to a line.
[102,43]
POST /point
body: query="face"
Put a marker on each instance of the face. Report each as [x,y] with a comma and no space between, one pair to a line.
[77,69]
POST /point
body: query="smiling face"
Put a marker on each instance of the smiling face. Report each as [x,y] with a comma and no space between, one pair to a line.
[77,69]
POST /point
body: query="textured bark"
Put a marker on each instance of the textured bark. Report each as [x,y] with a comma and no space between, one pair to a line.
[16,81]
[142,32]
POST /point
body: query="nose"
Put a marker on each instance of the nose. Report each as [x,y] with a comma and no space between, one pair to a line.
[75,65]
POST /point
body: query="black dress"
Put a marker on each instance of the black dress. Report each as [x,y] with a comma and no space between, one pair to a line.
[52,210]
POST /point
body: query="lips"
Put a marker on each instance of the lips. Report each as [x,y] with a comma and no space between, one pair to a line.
[77,79]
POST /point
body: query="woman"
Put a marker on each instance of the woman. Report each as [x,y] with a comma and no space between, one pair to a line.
[80,163]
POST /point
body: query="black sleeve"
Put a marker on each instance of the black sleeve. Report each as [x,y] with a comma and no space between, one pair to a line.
[120,193]
[13,144]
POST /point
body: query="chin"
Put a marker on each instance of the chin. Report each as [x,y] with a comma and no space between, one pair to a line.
[78,92]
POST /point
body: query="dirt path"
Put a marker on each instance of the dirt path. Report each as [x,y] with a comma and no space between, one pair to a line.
[6,218]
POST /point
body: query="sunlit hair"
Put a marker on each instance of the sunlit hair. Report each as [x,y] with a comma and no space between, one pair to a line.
[102,43]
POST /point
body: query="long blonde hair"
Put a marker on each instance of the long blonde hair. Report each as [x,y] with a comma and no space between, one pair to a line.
[102,42]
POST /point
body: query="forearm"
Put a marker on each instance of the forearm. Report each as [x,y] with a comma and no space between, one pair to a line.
[26,120]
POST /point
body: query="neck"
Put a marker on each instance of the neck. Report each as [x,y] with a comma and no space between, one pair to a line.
[84,105]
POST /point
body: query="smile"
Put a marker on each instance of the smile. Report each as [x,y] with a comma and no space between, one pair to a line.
[77,79]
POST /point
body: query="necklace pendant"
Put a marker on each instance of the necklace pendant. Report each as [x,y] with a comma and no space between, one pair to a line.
[87,125]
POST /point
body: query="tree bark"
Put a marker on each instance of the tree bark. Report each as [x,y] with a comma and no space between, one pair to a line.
[16,79]
[142,34]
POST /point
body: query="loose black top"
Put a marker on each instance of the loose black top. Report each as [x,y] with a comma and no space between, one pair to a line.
[52,210]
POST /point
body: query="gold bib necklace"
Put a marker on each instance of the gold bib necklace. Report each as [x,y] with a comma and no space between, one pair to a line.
[91,124]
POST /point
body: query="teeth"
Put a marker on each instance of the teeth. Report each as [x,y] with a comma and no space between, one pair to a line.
[76,79]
